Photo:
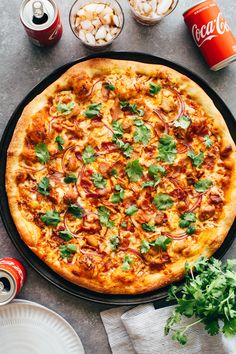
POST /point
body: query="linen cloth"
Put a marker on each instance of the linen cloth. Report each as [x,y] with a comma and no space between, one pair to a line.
[140,330]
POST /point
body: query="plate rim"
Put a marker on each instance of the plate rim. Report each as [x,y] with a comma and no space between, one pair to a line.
[29,256]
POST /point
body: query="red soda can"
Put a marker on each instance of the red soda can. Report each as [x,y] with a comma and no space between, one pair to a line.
[211,34]
[12,278]
[42,22]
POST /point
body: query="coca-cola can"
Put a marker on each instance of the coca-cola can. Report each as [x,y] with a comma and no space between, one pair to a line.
[41,20]
[211,34]
[12,278]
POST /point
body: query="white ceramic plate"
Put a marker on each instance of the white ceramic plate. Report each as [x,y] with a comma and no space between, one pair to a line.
[29,328]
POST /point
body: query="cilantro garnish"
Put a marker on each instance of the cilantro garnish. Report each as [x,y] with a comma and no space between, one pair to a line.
[41,152]
[163,201]
[144,247]
[127,262]
[148,227]
[131,210]
[65,235]
[148,184]
[93,110]
[197,159]
[114,241]
[125,147]
[104,216]
[167,149]
[133,108]
[109,86]
[203,185]
[191,230]
[65,108]
[134,170]
[76,211]
[114,172]
[186,219]
[51,217]
[161,242]
[71,178]
[60,141]
[119,196]
[208,142]
[123,224]
[98,180]
[67,250]
[208,295]
[155,171]
[117,128]
[183,122]
[154,88]
[44,186]
[88,155]
[142,133]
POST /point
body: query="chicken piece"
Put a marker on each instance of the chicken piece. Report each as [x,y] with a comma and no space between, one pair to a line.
[21,177]
[70,197]
[206,212]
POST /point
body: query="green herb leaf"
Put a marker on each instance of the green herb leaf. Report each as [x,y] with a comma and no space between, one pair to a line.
[131,210]
[44,186]
[104,216]
[161,242]
[110,86]
[154,88]
[76,211]
[127,262]
[163,201]
[197,159]
[114,241]
[67,250]
[65,108]
[133,108]
[186,219]
[71,178]
[41,152]
[51,217]
[191,230]
[114,172]
[142,133]
[123,224]
[148,184]
[183,122]
[125,147]
[134,170]
[203,185]
[144,247]
[98,180]
[154,170]
[88,155]
[118,197]
[65,235]
[208,142]
[117,128]
[148,228]
[93,110]
[60,141]
[167,149]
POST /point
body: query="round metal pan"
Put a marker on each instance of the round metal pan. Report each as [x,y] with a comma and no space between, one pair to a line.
[32,259]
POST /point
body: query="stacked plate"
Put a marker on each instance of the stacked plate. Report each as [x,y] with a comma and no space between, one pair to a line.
[29,328]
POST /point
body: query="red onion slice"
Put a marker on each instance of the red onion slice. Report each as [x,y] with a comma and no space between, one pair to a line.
[91,254]
[196,204]
[181,102]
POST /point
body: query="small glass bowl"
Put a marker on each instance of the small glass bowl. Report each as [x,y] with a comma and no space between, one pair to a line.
[78,4]
[149,21]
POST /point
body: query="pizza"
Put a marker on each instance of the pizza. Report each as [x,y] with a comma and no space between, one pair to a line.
[119,173]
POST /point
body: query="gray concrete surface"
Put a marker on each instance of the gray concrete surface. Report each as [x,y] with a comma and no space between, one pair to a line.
[22,66]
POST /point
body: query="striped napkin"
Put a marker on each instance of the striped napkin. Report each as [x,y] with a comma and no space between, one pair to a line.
[140,330]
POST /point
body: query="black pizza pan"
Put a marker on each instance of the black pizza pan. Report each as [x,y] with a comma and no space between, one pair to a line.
[31,258]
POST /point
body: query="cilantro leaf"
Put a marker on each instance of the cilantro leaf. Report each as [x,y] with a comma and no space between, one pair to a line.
[133,108]
[98,180]
[208,142]
[114,172]
[41,152]
[123,224]
[167,149]
[93,110]
[109,86]
[154,88]
[161,242]
[60,141]
[88,155]
[197,159]
[126,263]
[203,185]
[65,108]
[148,228]
[67,250]
[71,178]
[154,170]
[125,147]
[131,210]
[65,235]
[148,184]
[163,201]
[142,133]
[134,170]
[51,217]
[114,241]
[76,211]
[144,247]
[186,219]
[44,186]
[104,216]
[191,230]
[229,328]
[117,128]
[183,122]
[118,197]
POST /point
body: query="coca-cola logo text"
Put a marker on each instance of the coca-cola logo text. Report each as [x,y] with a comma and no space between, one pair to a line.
[212,29]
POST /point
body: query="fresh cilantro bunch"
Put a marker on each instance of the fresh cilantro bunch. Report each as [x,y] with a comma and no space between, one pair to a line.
[208,295]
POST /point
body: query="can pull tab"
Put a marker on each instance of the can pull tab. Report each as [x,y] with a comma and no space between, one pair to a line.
[39,16]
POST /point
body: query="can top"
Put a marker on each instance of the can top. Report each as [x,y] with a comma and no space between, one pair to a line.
[194,6]
[7,287]
[37,8]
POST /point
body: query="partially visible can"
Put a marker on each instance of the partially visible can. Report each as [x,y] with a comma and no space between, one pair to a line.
[42,22]
[211,34]
[12,278]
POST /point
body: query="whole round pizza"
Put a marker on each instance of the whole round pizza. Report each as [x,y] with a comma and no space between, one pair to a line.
[119,173]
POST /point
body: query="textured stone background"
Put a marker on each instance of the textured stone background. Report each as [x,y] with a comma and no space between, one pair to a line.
[22,66]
